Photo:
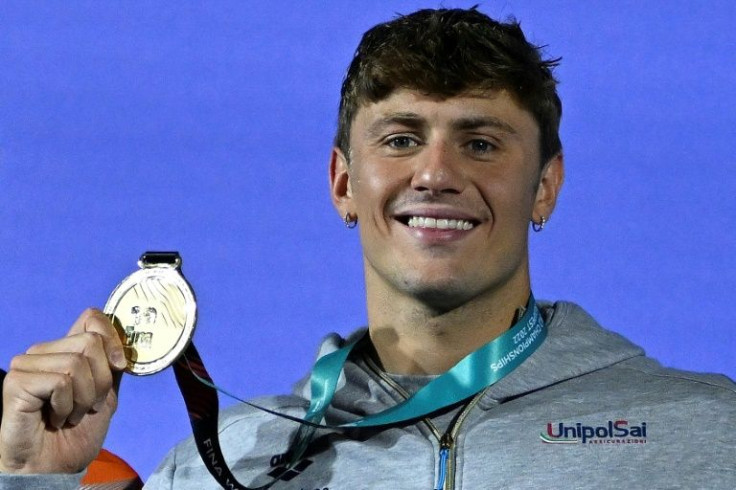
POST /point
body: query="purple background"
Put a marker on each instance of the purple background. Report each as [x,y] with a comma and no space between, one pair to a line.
[206,128]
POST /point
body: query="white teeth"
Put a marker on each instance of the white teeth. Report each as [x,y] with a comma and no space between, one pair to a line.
[442,224]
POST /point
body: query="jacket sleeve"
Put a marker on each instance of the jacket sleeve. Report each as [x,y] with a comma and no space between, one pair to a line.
[40,482]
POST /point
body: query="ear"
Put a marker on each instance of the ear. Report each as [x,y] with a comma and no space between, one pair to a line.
[340,191]
[550,183]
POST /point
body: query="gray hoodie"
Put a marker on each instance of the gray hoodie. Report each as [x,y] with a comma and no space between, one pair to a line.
[586,410]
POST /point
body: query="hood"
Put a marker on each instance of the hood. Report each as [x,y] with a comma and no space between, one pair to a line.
[575,345]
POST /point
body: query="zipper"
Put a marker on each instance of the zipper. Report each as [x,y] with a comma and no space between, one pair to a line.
[447,443]
[446,466]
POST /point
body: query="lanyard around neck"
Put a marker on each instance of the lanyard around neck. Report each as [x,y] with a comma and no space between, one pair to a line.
[476,371]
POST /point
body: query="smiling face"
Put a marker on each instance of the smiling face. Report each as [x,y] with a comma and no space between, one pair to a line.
[444,190]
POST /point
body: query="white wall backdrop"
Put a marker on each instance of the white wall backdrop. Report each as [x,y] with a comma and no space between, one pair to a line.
[205,127]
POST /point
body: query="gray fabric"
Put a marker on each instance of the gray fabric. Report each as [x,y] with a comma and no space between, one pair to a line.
[40,482]
[582,374]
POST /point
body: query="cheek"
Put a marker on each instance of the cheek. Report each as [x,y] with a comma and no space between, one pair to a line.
[509,199]
[374,185]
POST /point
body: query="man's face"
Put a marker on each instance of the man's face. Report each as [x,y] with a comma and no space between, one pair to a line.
[444,190]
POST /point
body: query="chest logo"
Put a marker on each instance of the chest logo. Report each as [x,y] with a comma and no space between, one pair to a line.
[610,432]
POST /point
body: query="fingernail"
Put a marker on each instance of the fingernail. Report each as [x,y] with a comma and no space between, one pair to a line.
[98,406]
[118,359]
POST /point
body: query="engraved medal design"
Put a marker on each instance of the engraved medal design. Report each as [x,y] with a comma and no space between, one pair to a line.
[154,312]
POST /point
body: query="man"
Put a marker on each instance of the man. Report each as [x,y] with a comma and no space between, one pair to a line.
[447,148]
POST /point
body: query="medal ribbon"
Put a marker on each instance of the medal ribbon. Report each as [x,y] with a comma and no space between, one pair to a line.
[475,372]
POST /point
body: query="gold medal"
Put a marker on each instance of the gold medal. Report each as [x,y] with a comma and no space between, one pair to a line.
[154,312]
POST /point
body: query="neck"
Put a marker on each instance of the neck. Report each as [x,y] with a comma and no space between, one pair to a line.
[412,337]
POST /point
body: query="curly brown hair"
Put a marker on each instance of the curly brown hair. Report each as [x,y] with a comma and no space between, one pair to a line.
[447,52]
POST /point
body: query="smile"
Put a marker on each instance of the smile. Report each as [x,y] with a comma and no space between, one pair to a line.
[441,224]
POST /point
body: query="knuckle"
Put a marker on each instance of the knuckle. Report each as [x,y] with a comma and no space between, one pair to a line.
[91,339]
[75,362]
[16,362]
[34,348]
[63,382]
[11,381]
[93,316]
[91,313]
[97,321]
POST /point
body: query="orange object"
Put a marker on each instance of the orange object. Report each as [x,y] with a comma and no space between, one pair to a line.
[110,472]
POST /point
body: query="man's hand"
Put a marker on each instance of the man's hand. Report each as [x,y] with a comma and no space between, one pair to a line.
[59,397]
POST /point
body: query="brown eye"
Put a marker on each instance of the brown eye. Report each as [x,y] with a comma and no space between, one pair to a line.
[401,142]
[481,146]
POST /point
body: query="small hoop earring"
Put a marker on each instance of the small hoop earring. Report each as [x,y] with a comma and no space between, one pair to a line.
[539,226]
[351,221]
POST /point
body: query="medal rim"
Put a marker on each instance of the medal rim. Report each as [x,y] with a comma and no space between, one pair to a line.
[175,276]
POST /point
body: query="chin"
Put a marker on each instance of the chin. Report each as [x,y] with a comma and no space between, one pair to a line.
[440,297]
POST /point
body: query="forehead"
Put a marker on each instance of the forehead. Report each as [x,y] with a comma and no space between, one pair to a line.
[498,108]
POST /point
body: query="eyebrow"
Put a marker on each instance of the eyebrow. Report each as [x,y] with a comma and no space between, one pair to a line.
[465,124]
[413,120]
[408,119]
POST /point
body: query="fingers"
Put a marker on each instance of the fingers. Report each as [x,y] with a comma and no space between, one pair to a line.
[82,355]
[93,320]
[75,374]
[28,391]
[66,380]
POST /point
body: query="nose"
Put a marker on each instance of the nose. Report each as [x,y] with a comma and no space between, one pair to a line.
[437,170]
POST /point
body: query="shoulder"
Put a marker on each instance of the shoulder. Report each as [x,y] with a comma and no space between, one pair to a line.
[590,359]
[650,374]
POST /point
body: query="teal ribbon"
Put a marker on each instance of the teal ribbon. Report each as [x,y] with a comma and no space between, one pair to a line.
[473,373]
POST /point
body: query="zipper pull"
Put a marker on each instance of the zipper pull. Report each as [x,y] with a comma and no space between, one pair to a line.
[446,442]
[445,446]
